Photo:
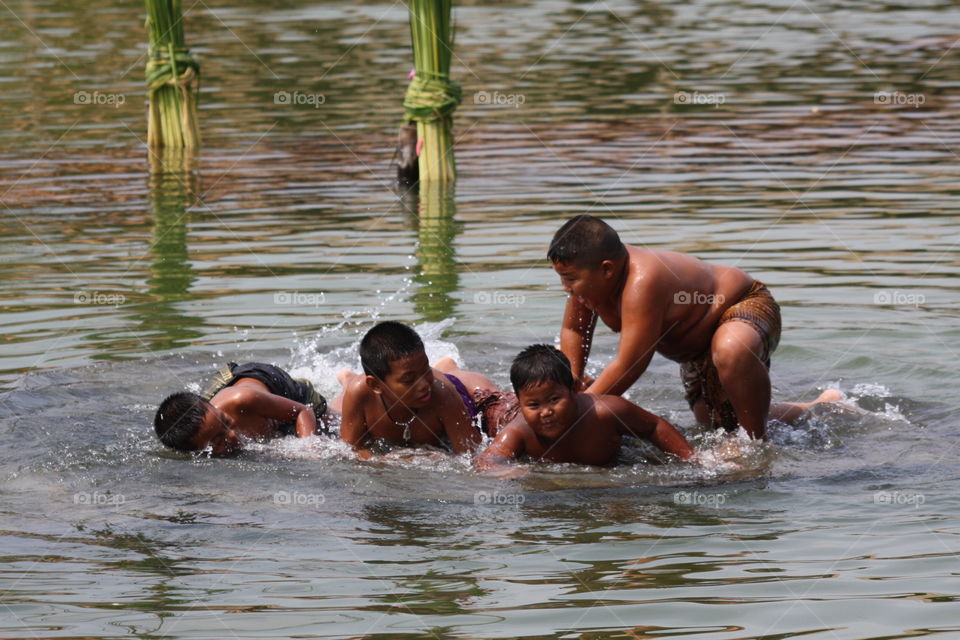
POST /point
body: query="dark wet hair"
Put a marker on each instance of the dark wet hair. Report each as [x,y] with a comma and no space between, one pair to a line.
[585,241]
[386,342]
[540,363]
[178,420]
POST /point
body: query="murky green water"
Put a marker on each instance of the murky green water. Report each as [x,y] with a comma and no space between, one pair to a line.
[811,143]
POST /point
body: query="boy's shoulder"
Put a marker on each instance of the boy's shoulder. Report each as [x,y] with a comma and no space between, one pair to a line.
[646,261]
[599,409]
[237,396]
[357,390]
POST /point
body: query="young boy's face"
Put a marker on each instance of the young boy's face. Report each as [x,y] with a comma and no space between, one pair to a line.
[548,407]
[591,286]
[410,381]
[216,431]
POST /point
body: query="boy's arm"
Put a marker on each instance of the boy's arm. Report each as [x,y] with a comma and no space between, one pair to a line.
[508,445]
[463,436]
[641,328]
[576,335]
[353,427]
[643,424]
[274,407]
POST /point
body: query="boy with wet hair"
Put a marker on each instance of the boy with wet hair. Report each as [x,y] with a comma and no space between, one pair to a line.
[720,324]
[253,400]
[557,423]
[400,399]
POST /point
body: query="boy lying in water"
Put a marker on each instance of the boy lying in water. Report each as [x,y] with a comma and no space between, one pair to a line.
[400,399]
[253,400]
[720,324]
[554,422]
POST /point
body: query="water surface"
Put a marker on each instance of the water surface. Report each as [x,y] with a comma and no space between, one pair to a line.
[810,143]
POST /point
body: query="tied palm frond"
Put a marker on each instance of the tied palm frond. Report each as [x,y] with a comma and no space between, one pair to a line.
[431,96]
[173,79]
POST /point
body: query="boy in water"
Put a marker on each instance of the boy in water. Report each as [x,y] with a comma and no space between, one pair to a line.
[400,399]
[554,422]
[253,400]
[720,324]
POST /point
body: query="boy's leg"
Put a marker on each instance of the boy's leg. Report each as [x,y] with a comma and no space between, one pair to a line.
[736,350]
[345,376]
[790,411]
[446,365]
[470,379]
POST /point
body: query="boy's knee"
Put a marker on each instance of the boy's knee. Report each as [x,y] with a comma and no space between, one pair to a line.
[701,412]
[734,348]
[445,364]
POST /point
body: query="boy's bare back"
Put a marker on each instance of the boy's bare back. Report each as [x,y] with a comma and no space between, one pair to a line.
[256,412]
[664,302]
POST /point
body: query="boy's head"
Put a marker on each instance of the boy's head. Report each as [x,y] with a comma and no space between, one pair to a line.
[545,388]
[588,256]
[187,422]
[396,364]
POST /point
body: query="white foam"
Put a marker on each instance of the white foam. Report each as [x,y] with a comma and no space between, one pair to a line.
[869,390]
[321,368]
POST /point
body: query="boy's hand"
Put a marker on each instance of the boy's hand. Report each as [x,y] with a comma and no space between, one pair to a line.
[507,473]
[306,422]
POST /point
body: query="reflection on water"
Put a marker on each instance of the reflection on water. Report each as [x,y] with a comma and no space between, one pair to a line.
[173,190]
[788,139]
[433,210]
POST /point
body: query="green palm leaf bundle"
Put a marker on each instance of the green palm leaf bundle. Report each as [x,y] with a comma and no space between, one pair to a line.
[173,79]
[431,96]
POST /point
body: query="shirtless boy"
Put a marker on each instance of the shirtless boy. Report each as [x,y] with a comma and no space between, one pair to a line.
[400,399]
[558,424]
[720,324]
[253,400]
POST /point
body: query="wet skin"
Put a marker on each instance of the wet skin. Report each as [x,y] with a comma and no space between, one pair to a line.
[557,424]
[668,303]
[377,409]
[248,409]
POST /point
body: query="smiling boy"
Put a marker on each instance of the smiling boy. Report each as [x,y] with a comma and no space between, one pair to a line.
[558,424]
[720,324]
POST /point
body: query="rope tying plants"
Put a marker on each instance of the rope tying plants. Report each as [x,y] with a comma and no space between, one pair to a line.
[431,97]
